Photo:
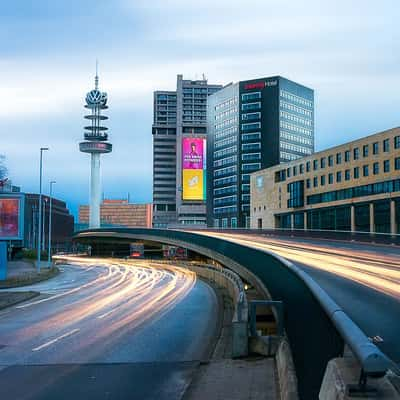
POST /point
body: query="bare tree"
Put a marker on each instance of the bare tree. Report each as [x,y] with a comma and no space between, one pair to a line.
[3,168]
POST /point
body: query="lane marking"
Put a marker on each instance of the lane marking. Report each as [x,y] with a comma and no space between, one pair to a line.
[49,343]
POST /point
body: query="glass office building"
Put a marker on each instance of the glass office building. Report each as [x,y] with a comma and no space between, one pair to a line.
[253,125]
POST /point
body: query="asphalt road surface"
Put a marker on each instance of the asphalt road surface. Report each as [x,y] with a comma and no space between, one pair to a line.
[364,279]
[107,330]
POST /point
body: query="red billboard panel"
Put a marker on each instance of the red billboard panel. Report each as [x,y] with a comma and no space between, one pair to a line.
[9,218]
[255,85]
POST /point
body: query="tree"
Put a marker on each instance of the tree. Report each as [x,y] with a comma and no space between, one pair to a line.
[3,168]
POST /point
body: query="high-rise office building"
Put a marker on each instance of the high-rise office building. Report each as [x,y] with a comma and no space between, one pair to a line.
[179,153]
[252,125]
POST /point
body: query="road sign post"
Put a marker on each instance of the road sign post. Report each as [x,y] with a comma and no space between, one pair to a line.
[3,261]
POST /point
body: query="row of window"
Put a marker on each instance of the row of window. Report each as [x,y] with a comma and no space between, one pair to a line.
[295,138]
[225,210]
[251,96]
[225,152]
[251,126]
[295,147]
[356,173]
[295,128]
[251,156]
[226,113]
[225,142]
[295,118]
[331,159]
[357,191]
[292,107]
[284,156]
[225,161]
[225,123]
[251,146]
[226,132]
[225,181]
[251,116]
[219,201]
[226,103]
[225,171]
[251,136]
[251,167]
[225,190]
[251,106]
[296,99]
[194,90]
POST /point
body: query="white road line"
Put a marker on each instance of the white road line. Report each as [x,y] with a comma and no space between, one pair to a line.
[56,340]
[107,313]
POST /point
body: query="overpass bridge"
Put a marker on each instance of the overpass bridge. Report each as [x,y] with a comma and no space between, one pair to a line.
[333,295]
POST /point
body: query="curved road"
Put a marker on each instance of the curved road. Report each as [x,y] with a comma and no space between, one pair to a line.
[102,320]
[364,279]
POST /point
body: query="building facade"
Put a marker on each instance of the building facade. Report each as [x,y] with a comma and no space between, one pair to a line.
[180,122]
[119,213]
[19,220]
[253,125]
[351,187]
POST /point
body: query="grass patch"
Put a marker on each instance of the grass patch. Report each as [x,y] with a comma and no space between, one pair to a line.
[29,278]
[8,299]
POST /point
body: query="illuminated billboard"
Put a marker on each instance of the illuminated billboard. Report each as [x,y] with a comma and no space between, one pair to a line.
[193,168]
[10,218]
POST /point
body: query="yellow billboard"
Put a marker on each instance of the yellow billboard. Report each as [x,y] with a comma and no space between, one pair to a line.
[193,184]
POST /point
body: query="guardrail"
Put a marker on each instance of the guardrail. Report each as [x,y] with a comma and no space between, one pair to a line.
[316,326]
[234,285]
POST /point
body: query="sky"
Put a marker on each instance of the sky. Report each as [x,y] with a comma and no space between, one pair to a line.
[347,51]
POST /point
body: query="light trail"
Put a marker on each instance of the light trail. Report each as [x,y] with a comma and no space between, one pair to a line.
[380,272]
[123,295]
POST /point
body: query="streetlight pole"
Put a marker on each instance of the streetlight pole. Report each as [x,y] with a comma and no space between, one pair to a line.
[40,207]
[51,202]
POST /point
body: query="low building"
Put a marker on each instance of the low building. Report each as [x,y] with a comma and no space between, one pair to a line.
[351,187]
[119,213]
[19,220]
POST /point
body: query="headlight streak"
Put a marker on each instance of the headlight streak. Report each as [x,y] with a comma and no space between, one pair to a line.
[379,272]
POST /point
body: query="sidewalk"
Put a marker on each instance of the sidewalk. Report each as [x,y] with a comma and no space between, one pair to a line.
[253,378]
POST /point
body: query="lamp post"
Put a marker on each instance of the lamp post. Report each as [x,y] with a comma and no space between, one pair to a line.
[40,207]
[51,201]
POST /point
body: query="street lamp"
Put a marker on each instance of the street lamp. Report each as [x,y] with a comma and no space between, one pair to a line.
[40,207]
[51,201]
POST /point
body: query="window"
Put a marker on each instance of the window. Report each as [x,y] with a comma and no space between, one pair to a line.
[386,166]
[397,163]
[375,148]
[301,168]
[322,180]
[308,166]
[365,170]
[308,183]
[347,156]
[356,172]
[315,165]
[251,126]
[315,181]
[251,146]
[251,156]
[338,158]
[233,222]
[365,150]
[356,153]
[251,106]
[375,168]
[251,96]
[339,176]
[323,162]
[288,172]
[251,136]
[397,142]
[347,175]
[330,161]
[330,178]
[386,145]
[295,170]
[251,167]
[251,116]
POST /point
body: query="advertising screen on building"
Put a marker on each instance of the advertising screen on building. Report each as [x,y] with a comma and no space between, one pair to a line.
[9,218]
[193,168]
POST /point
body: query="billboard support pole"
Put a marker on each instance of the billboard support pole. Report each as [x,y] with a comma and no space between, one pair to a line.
[3,260]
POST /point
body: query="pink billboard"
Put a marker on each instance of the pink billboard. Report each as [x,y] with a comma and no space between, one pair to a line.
[193,152]
[9,218]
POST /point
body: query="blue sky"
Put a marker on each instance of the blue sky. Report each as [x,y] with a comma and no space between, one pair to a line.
[348,52]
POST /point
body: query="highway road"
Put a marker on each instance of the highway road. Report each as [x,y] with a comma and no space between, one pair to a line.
[107,329]
[364,279]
